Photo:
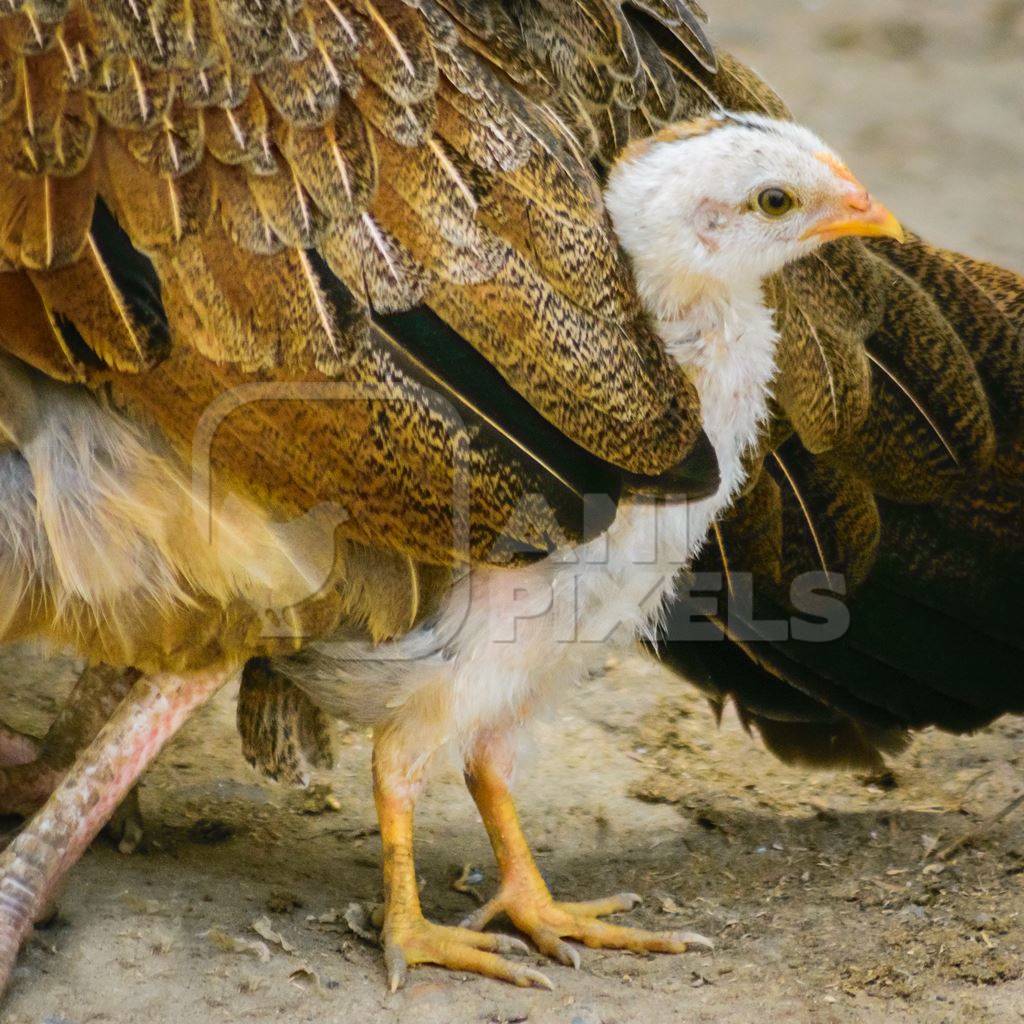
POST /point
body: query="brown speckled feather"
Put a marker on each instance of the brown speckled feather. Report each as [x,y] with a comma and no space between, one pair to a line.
[983,304]
[230,141]
[285,736]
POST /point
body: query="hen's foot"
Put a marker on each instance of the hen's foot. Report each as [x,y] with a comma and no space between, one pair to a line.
[407,937]
[411,939]
[547,922]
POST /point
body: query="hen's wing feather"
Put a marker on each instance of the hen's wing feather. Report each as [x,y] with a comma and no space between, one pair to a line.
[931,558]
[201,195]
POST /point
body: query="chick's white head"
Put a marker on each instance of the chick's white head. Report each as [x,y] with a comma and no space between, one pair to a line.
[730,200]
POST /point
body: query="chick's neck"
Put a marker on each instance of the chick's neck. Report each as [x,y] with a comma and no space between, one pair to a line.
[723,336]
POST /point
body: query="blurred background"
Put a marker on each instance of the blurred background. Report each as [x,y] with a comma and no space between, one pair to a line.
[924,98]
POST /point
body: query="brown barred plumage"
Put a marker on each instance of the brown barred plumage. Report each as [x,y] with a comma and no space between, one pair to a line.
[285,736]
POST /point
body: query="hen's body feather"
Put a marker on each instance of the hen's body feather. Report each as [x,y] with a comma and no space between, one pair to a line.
[329,264]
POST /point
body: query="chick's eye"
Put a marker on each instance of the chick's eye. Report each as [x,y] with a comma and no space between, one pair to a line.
[775,202]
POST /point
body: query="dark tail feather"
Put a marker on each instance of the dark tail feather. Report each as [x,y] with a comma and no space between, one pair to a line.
[845,743]
[933,640]
[796,727]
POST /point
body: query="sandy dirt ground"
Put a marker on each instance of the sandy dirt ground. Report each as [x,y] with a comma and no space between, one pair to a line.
[823,893]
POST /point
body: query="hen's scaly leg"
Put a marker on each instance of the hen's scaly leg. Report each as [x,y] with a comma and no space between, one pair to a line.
[524,896]
[28,781]
[407,936]
[37,859]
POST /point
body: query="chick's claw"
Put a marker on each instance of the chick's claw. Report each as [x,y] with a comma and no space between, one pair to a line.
[420,942]
[547,922]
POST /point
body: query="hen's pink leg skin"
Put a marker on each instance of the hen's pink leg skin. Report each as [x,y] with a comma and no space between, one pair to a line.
[34,767]
[16,748]
[34,864]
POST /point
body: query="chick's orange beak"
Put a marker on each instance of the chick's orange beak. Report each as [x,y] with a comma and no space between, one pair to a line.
[860,215]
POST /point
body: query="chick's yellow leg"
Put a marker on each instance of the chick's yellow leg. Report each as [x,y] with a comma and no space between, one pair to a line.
[407,936]
[523,895]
